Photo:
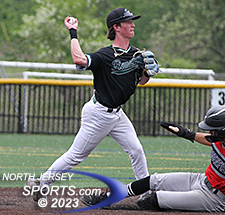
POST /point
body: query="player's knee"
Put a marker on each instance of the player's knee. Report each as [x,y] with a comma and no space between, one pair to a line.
[73,158]
[137,152]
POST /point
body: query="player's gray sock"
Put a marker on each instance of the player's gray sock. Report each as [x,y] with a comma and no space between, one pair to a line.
[139,187]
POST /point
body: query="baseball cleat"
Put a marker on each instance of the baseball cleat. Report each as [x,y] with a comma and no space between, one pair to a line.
[34,182]
[144,201]
[149,202]
[93,199]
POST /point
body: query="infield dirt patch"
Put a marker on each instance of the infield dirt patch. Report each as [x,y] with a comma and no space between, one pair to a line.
[13,202]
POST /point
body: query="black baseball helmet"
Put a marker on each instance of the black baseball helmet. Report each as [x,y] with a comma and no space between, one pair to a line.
[214,120]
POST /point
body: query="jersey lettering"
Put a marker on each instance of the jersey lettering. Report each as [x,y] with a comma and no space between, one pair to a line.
[120,68]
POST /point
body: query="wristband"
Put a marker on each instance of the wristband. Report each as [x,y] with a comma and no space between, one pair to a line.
[73,33]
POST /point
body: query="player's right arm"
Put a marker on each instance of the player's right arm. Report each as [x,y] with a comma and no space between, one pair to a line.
[76,51]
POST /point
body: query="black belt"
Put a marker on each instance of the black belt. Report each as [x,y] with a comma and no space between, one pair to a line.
[109,110]
[207,183]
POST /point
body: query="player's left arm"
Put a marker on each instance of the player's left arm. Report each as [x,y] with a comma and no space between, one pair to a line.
[186,133]
[144,79]
[146,61]
[200,138]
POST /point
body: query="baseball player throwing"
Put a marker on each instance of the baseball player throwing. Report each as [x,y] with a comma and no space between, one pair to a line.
[186,191]
[116,75]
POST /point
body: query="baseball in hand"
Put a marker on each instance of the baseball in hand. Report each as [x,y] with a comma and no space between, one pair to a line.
[175,129]
[72,20]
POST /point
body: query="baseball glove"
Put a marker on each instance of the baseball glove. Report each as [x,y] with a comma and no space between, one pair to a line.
[179,130]
[145,60]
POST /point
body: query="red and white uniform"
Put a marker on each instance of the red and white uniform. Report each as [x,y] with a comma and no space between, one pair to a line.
[216,170]
[189,191]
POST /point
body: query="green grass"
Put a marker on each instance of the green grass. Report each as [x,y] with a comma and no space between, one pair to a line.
[35,153]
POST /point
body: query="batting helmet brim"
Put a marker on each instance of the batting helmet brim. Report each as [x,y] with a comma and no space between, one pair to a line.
[206,127]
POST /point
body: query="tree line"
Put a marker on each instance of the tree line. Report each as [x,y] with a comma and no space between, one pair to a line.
[181,33]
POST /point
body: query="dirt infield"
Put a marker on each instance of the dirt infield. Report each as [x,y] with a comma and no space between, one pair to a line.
[13,202]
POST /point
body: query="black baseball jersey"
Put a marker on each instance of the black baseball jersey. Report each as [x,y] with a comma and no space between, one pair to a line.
[115,78]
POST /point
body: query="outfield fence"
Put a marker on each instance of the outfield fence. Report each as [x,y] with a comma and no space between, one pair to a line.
[54,106]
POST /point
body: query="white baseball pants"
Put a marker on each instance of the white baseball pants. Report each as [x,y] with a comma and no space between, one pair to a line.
[97,123]
[186,191]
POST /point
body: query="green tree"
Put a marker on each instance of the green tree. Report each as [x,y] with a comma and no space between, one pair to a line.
[11,12]
[41,35]
[181,33]
[148,9]
[45,37]
[196,33]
